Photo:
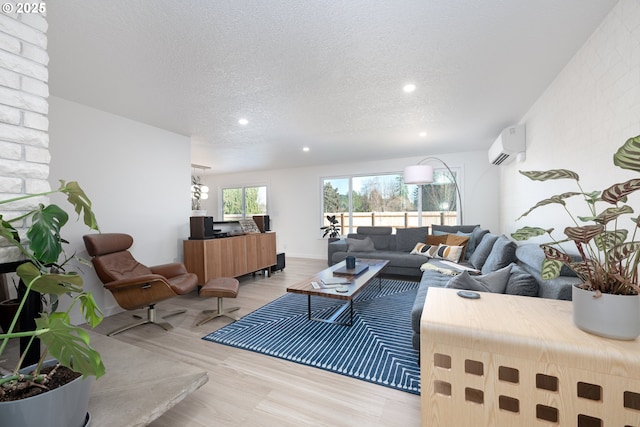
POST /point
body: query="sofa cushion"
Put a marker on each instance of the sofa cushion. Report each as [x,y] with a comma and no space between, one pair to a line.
[482,251]
[456,240]
[406,238]
[360,245]
[436,240]
[521,283]
[474,240]
[532,255]
[453,229]
[425,250]
[448,252]
[502,254]
[381,237]
[495,282]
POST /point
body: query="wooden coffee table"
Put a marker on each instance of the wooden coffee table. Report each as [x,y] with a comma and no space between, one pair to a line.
[357,283]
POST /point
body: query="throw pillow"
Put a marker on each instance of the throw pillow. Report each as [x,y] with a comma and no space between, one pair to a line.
[436,239]
[495,281]
[406,238]
[502,254]
[521,283]
[424,250]
[358,245]
[450,253]
[479,256]
[455,240]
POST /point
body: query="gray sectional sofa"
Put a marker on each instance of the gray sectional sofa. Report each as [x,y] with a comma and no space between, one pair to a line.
[380,243]
[503,266]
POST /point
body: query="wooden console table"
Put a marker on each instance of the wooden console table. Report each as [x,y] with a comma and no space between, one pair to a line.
[230,256]
[505,360]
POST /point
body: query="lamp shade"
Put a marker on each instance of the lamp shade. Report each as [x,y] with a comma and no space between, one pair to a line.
[418,174]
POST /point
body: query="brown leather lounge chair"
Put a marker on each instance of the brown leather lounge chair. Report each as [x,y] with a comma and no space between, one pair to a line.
[133,285]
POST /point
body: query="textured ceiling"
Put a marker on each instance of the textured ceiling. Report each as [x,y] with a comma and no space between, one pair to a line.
[323,74]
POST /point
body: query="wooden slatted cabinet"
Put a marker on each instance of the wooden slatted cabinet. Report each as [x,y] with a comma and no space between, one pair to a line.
[230,256]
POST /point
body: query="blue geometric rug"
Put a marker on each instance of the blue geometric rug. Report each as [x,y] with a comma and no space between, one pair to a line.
[377,348]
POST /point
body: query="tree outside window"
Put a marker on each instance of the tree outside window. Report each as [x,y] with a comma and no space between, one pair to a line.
[385,200]
[243,202]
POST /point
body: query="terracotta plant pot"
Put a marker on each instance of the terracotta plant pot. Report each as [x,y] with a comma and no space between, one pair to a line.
[609,316]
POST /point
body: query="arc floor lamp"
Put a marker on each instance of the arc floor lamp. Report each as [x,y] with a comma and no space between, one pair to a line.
[423,174]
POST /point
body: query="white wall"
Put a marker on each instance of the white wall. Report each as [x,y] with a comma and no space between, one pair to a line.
[590,109]
[137,177]
[294,196]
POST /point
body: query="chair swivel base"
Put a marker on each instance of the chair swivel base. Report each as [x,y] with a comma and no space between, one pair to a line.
[151,318]
[213,314]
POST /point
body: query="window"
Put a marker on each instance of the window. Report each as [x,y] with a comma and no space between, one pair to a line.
[243,202]
[385,200]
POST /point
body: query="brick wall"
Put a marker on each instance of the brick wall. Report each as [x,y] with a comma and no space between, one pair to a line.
[24,89]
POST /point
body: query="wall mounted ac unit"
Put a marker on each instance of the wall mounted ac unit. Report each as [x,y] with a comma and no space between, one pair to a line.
[505,148]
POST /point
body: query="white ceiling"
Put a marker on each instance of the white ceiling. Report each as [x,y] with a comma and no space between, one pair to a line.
[323,74]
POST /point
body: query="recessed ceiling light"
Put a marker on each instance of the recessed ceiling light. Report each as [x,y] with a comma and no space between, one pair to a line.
[305,149]
[423,134]
[409,87]
[243,121]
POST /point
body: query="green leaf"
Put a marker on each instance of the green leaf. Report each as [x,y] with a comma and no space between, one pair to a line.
[628,156]
[558,199]
[44,233]
[8,232]
[81,203]
[623,251]
[70,345]
[49,283]
[610,214]
[550,174]
[551,268]
[619,192]
[610,238]
[90,310]
[583,234]
[526,233]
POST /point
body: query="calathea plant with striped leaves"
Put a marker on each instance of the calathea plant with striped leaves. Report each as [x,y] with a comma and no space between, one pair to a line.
[608,255]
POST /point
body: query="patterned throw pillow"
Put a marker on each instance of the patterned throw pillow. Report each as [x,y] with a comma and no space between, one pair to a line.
[448,252]
[424,250]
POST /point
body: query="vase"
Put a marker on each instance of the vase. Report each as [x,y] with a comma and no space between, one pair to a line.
[609,316]
[199,212]
[65,406]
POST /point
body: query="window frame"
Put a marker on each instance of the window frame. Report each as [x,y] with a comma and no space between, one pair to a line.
[243,200]
[348,228]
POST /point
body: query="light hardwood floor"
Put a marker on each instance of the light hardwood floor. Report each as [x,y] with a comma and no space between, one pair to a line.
[250,389]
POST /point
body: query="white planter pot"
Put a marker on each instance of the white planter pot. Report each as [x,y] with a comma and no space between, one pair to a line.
[199,212]
[610,316]
[65,406]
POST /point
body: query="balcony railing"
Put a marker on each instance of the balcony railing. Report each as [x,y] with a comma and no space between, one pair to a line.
[394,219]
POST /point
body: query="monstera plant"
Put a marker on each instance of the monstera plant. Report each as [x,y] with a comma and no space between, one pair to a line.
[46,271]
[608,254]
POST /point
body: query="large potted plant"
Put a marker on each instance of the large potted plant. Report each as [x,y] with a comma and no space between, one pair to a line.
[606,255]
[46,271]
